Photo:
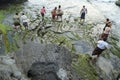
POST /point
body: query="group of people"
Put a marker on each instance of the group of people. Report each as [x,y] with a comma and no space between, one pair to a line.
[20,21]
[102,44]
[56,13]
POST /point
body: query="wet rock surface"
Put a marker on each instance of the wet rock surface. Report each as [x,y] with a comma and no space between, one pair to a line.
[41,61]
[9,70]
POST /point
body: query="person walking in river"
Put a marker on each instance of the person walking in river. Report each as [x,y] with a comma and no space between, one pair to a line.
[106,31]
[54,13]
[107,22]
[24,20]
[16,20]
[43,11]
[101,46]
[83,12]
[59,12]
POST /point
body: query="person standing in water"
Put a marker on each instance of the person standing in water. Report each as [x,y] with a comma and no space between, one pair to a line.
[106,31]
[24,20]
[43,11]
[83,12]
[59,12]
[54,13]
[107,22]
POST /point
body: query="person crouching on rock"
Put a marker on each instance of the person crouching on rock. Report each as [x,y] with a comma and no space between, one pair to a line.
[54,13]
[101,46]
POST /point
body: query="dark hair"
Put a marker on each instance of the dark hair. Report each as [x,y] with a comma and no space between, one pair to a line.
[107,19]
[16,13]
[55,8]
[59,6]
[83,5]
[104,39]
[43,6]
[22,13]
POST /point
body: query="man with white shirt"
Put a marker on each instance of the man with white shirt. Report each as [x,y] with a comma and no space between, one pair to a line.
[24,20]
[101,46]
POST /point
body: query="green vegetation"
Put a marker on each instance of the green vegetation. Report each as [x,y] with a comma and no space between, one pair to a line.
[2,16]
[84,68]
[4,29]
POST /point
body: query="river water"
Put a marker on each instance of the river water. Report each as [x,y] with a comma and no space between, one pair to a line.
[98,10]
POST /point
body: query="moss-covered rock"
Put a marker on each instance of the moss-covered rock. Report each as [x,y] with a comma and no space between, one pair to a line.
[84,68]
[117,2]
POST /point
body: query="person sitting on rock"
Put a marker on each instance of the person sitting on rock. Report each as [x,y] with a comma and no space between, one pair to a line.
[54,13]
[101,46]
[16,21]
[59,12]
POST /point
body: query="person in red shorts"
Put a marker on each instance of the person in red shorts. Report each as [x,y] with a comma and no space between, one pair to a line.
[54,13]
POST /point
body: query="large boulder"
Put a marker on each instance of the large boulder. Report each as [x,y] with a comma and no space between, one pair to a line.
[43,71]
[38,60]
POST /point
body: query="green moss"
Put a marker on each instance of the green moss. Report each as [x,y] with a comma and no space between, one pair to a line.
[2,16]
[84,69]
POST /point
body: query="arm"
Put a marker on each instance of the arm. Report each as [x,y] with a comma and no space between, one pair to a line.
[86,11]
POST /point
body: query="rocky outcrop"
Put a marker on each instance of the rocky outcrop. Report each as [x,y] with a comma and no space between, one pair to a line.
[40,61]
[43,71]
[8,69]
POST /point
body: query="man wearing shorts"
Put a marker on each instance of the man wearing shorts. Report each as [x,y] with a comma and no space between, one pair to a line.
[101,46]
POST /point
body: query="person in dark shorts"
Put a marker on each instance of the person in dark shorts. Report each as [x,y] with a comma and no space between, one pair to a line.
[24,20]
[101,46]
[59,12]
[43,11]
[16,20]
[83,12]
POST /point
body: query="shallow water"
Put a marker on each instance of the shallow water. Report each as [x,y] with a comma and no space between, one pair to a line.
[98,10]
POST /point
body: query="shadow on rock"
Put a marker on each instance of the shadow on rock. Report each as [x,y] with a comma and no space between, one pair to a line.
[43,71]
